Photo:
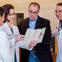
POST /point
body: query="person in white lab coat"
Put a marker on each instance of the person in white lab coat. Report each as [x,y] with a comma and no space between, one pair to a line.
[58,33]
[5,54]
[11,30]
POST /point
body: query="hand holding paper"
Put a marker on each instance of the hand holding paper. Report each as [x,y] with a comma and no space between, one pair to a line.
[20,37]
[32,44]
[32,37]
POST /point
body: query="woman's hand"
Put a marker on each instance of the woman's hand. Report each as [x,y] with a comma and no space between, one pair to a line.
[20,37]
[32,43]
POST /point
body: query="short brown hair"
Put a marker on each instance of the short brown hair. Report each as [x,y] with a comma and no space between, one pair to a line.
[59,4]
[35,3]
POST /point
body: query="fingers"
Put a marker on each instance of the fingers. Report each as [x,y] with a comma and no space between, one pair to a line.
[20,37]
[33,43]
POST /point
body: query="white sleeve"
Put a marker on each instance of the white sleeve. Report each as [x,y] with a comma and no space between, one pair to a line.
[23,45]
[4,48]
[12,42]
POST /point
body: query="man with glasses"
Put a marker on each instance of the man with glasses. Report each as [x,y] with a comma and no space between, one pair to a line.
[41,52]
[58,33]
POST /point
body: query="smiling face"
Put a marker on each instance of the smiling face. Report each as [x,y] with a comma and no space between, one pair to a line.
[58,12]
[33,11]
[11,15]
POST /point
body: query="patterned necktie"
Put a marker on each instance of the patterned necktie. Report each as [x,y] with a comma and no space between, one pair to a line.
[15,60]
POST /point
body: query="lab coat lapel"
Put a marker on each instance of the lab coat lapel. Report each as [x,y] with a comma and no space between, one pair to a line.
[7,29]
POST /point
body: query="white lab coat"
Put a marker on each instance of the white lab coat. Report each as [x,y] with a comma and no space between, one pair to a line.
[59,44]
[5,54]
[11,39]
[59,53]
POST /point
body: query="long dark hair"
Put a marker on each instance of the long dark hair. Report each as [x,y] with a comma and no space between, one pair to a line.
[1,11]
[7,8]
[59,4]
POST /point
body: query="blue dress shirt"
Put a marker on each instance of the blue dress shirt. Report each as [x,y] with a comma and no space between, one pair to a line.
[32,56]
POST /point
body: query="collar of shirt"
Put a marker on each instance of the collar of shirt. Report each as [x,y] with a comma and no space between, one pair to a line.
[32,23]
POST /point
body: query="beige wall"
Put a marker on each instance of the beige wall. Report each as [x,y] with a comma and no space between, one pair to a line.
[47,9]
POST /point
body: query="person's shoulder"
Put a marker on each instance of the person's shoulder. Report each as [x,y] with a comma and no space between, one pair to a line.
[14,26]
[26,18]
[4,24]
[2,33]
[24,21]
[44,19]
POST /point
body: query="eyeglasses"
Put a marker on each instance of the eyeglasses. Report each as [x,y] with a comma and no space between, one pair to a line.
[34,12]
[10,14]
[58,11]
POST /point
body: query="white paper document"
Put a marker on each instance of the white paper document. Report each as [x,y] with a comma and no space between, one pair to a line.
[32,34]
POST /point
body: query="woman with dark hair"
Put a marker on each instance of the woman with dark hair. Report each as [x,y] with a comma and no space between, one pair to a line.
[12,31]
[5,55]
